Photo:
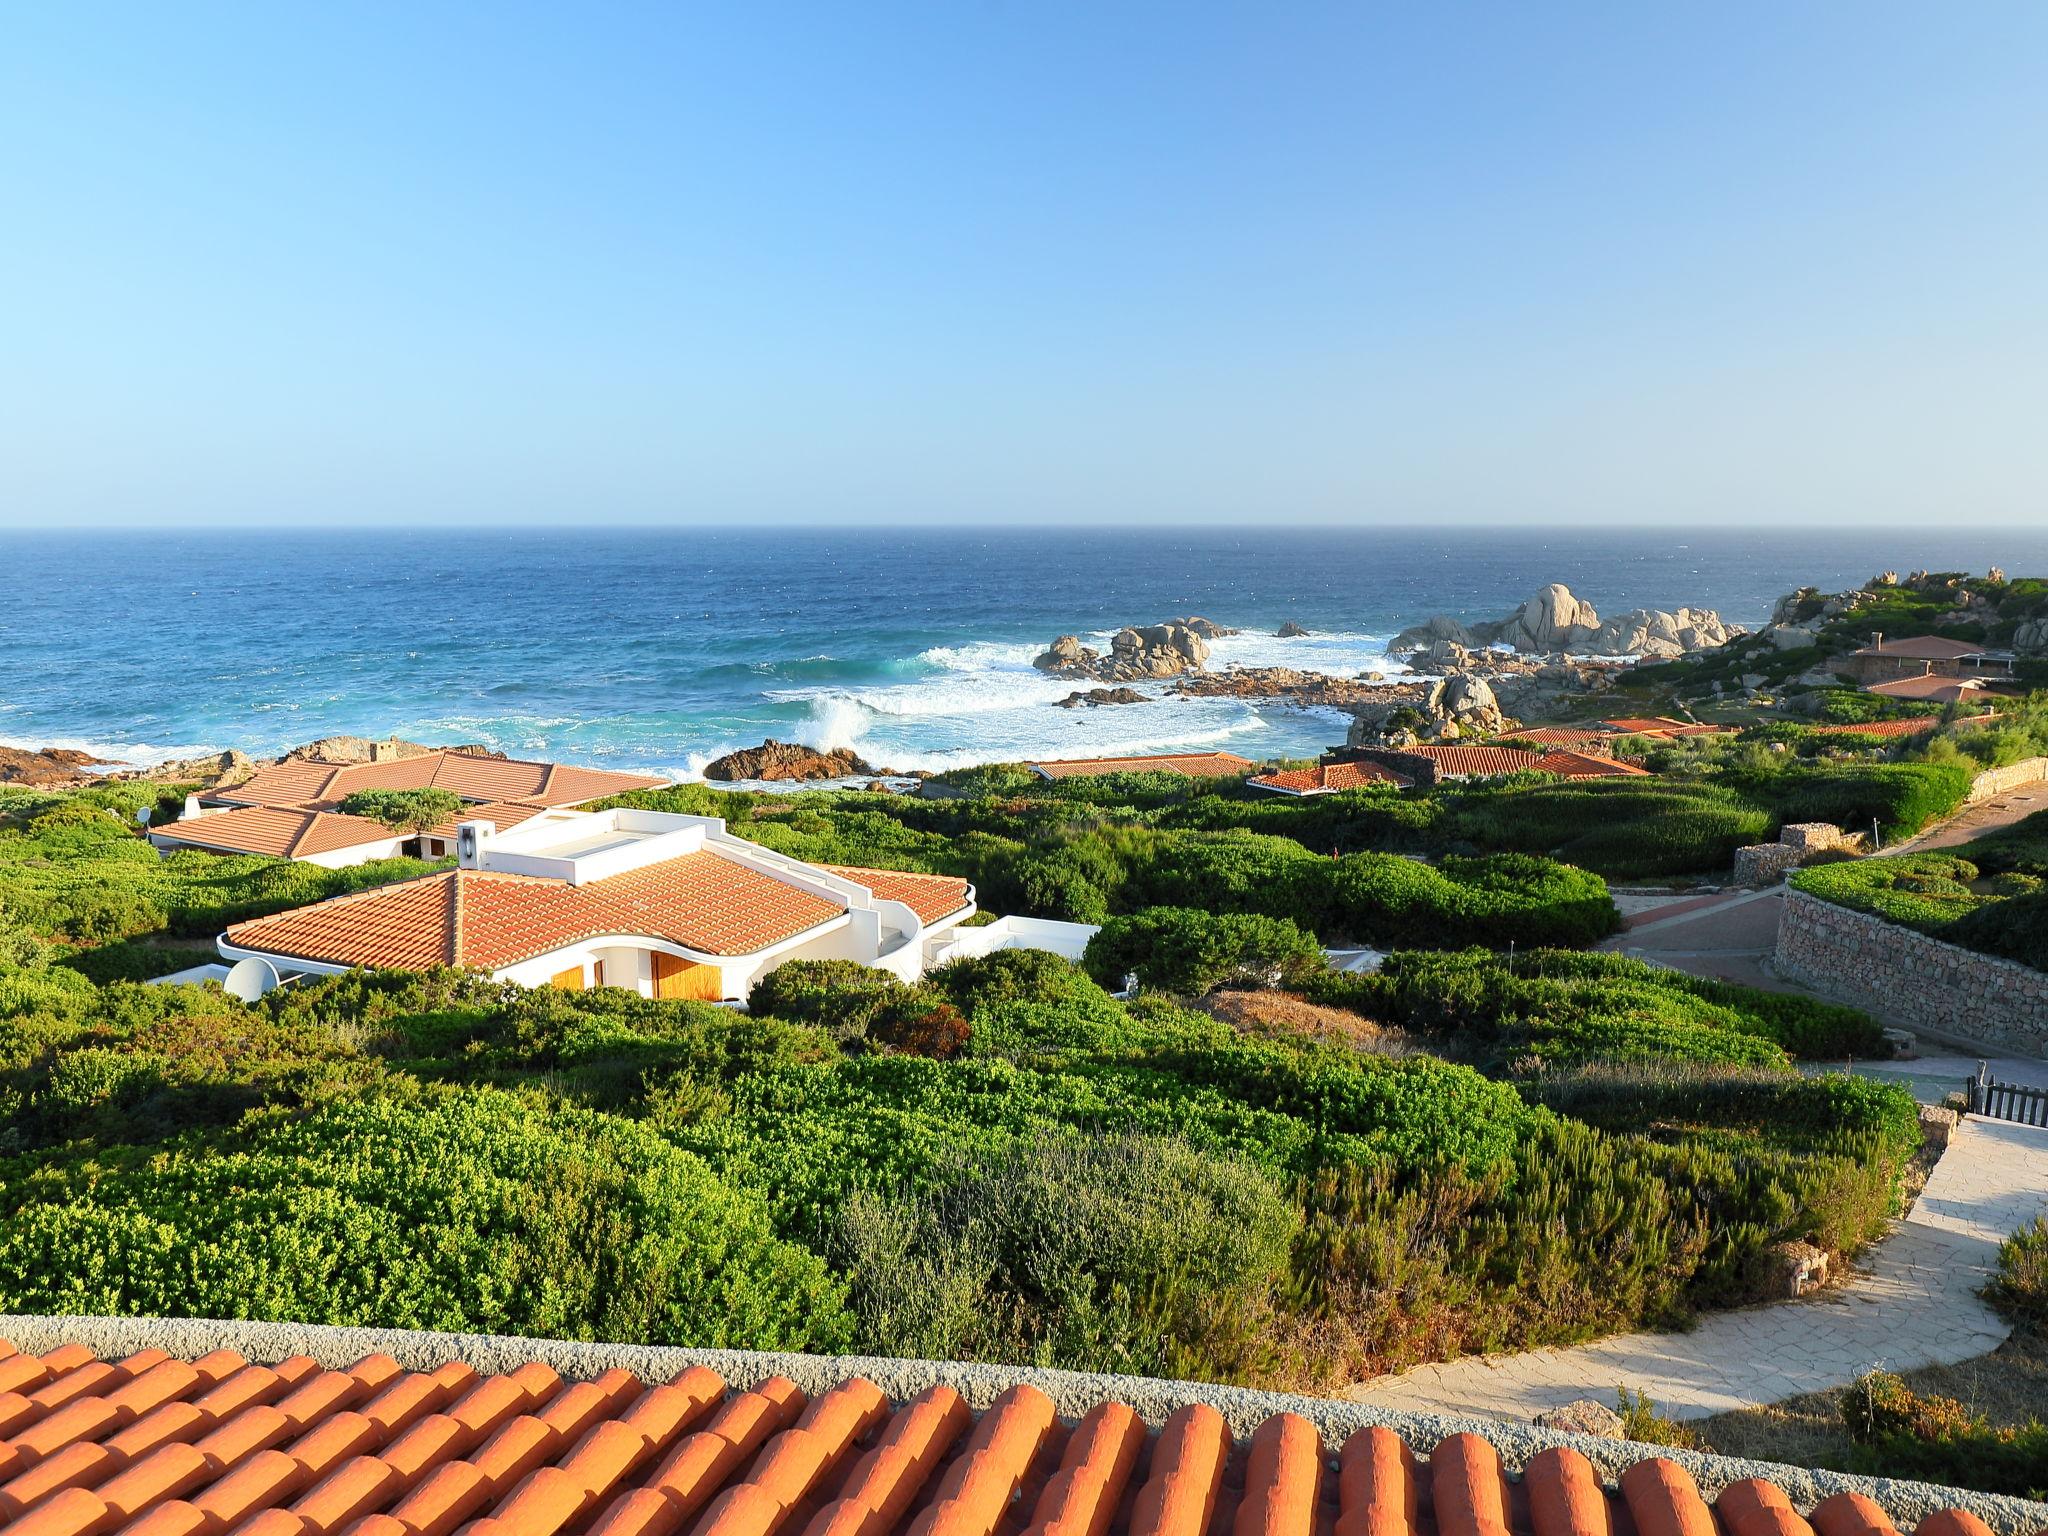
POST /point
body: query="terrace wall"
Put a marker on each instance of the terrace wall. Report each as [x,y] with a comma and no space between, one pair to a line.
[1996,781]
[1909,978]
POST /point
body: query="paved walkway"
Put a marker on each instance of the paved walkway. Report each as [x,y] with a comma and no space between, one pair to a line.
[1913,1303]
[1727,936]
[1975,820]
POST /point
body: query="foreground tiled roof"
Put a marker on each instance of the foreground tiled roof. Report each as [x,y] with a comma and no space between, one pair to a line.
[931,897]
[700,901]
[1327,778]
[1913,725]
[1196,765]
[280,832]
[1587,765]
[461,773]
[153,1446]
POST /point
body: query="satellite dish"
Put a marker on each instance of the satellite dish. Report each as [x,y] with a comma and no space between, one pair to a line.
[249,978]
[142,816]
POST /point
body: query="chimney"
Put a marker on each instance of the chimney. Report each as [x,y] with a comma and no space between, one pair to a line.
[1877,640]
[471,839]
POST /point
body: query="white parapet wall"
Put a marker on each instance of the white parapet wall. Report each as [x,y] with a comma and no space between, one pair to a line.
[1067,940]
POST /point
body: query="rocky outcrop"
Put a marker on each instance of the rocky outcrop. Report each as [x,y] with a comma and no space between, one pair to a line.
[343,751]
[1094,698]
[1289,631]
[2032,635]
[1208,629]
[45,767]
[1289,685]
[1555,621]
[1466,702]
[1135,653]
[780,762]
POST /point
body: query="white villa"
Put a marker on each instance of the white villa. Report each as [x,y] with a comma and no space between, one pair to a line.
[667,905]
[288,810]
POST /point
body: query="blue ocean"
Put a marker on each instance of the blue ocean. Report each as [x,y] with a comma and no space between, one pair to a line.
[661,649]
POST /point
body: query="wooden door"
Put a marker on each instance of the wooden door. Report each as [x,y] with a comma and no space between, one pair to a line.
[677,977]
[570,980]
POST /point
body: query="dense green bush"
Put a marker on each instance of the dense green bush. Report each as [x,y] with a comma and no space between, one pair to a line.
[1901,797]
[1186,950]
[2020,1288]
[403,810]
[1116,1253]
[2014,927]
[471,1211]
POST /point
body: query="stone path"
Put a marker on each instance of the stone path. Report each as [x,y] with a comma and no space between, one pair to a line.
[1974,821]
[1913,1303]
[1727,936]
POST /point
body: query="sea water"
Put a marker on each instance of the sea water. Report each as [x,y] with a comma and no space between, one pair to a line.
[659,649]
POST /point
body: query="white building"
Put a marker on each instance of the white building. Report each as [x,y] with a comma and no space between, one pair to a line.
[666,905]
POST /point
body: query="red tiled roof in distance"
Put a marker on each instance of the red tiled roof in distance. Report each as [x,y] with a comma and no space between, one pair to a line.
[279,832]
[1195,765]
[1912,725]
[1935,690]
[931,897]
[473,778]
[1329,778]
[1586,765]
[217,1446]
[699,901]
[1649,725]
[1454,762]
[1571,738]
[1924,648]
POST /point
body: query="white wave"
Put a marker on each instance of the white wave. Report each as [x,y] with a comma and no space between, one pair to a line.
[126,754]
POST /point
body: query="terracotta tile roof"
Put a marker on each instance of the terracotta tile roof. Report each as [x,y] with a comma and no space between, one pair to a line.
[1587,765]
[1454,762]
[1572,738]
[1939,690]
[462,773]
[931,897]
[278,832]
[155,1446]
[1329,778]
[1196,765]
[1652,725]
[1925,648]
[480,918]
[1911,726]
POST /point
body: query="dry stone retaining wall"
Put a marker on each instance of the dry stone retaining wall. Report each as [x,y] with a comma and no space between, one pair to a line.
[1910,978]
[1996,781]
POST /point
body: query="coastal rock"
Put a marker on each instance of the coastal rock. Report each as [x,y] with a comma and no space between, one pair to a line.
[1466,704]
[1292,686]
[44,768]
[1431,630]
[343,751]
[1135,652]
[2031,636]
[1555,620]
[1091,698]
[1208,629]
[1289,631]
[789,762]
[1789,637]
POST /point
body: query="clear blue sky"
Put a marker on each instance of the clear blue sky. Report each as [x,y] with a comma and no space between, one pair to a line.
[993,260]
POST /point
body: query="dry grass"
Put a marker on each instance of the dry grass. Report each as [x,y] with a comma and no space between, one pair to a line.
[1284,1014]
[2009,1386]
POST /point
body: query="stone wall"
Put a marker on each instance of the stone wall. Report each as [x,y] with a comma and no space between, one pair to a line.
[1911,979]
[1766,863]
[1996,781]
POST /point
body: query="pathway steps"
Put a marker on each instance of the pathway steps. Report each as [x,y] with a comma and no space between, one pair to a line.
[1913,1302]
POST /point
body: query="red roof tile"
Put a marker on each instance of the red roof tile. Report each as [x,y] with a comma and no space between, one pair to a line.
[1573,738]
[1329,778]
[1195,765]
[219,1446]
[1587,765]
[480,918]
[931,897]
[462,773]
[1938,690]
[1453,762]
[277,831]
[1924,648]
[1910,726]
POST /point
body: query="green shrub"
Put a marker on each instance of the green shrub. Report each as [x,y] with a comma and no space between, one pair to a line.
[403,810]
[1115,1253]
[1497,900]
[2015,928]
[1899,1433]
[471,1212]
[2020,1288]
[1190,951]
